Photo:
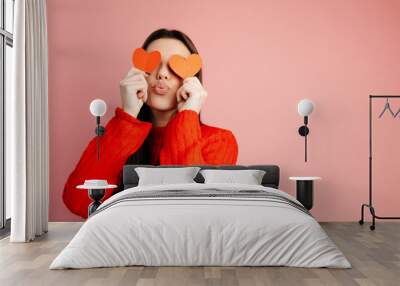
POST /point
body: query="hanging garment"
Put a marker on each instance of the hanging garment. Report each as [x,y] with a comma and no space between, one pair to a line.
[387,107]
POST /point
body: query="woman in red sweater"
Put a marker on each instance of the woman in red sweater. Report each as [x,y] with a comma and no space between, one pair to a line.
[158,124]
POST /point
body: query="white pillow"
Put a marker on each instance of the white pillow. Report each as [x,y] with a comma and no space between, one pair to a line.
[250,177]
[162,176]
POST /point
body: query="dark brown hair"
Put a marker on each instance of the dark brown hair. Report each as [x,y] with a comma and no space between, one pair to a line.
[141,156]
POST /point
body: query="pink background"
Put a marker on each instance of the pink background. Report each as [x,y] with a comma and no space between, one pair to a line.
[260,58]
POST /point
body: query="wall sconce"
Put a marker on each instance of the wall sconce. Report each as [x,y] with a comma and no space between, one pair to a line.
[305,108]
[98,108]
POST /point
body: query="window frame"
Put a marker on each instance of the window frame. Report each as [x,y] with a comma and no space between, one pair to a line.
[6,39]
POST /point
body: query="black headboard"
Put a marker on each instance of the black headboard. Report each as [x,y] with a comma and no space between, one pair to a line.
[271,178]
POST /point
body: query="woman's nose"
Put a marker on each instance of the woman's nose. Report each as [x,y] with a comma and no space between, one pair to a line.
[162,76]
[163,73]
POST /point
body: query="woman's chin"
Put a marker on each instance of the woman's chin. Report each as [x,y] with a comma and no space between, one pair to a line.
[161,102]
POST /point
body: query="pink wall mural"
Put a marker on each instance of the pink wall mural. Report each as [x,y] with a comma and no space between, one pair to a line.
[259,59]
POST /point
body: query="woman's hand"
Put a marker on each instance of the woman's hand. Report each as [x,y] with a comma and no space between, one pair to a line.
[191,95]
[133,90]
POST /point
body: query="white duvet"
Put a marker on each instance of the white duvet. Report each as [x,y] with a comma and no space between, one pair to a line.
[190,231]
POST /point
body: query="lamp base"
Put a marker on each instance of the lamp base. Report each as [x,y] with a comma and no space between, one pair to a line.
[100,130]
[303,130]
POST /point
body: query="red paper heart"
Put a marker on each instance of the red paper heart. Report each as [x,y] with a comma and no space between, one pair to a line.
[145,61]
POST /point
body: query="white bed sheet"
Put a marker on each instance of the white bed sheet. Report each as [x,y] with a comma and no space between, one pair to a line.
[200,232]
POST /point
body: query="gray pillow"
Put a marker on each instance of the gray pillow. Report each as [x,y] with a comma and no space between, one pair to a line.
[162,176]
[249,177]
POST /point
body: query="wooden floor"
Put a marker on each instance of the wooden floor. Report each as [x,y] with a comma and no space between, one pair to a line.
[375,257]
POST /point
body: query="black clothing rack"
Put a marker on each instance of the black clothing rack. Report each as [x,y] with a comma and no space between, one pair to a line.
[370,205]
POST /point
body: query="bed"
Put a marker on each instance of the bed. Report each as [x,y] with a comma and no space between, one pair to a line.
[201,224]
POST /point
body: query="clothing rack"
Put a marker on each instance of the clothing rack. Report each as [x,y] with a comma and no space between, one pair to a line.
[370,204]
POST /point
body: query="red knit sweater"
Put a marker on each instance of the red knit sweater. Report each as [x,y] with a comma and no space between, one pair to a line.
[184,141]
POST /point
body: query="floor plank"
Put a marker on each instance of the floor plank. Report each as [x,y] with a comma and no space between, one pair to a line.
[375,256]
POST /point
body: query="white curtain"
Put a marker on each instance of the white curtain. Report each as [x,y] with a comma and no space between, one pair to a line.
[27,144]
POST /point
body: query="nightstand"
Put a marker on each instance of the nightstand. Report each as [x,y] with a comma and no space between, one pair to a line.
[96,190]
[304,190]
